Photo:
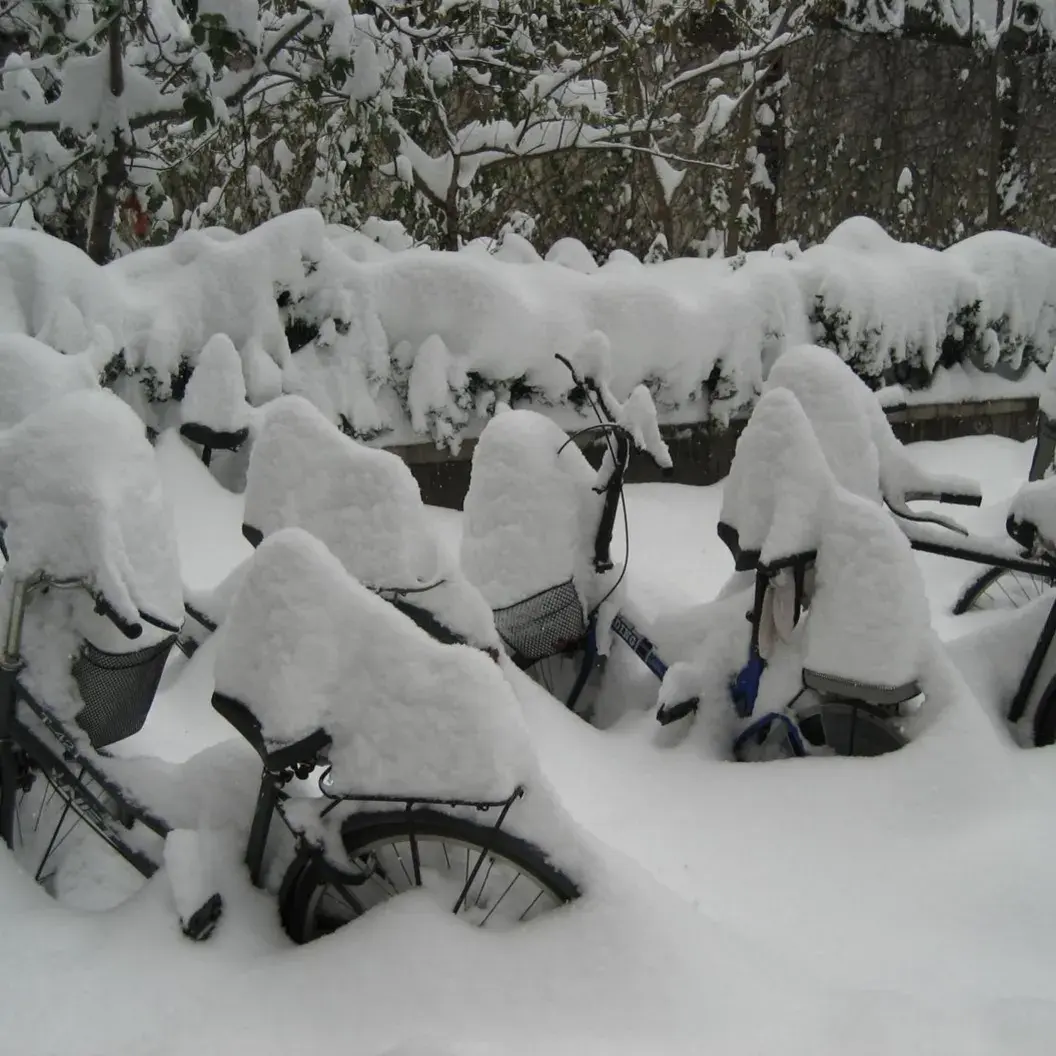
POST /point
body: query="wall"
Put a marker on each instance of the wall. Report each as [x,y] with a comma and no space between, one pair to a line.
[702,454]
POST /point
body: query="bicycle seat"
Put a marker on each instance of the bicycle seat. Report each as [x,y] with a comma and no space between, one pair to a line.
[850,689]
[216,439]
[305,751]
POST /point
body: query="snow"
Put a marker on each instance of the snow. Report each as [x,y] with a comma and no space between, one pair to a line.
[855,435]
[216,394]
[530,514]
[33,374]
[699,334]
[305,646]
[1017,285]
[81,498]
[869,619]
[363,504]
[1035,504]
[779,482]
[885,303]
[712,891]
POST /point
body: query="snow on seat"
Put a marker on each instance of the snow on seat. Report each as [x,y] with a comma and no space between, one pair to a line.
[868,618]
[861,448]
[307,647]
[33,374]
[365,505]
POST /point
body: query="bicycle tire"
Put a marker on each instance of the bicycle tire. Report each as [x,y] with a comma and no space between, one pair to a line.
[1026,587]
[56,830]
[309,878]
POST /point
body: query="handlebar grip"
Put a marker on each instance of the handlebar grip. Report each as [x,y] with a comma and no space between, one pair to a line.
[128,628]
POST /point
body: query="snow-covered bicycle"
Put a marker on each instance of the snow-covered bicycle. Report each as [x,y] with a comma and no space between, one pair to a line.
[538,525]
[315,671]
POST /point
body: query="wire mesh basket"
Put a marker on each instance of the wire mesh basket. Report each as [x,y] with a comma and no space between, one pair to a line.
[118,689]
[543,625]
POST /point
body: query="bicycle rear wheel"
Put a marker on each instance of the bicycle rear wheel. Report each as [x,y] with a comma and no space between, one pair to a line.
[1000,588]
[486,876]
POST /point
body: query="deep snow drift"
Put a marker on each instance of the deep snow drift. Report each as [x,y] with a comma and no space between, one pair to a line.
[718,897]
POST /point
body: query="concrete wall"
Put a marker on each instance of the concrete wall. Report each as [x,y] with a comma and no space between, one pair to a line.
[702,453]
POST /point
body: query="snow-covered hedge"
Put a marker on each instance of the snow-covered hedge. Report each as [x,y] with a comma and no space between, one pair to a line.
[407,344]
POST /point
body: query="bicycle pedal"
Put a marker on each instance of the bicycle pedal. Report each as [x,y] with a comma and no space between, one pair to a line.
[202,922]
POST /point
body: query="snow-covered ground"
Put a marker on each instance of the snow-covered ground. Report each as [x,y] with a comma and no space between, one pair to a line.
[823,906]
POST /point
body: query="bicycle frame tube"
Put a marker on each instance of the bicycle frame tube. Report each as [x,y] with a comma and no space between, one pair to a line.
[267,800]
[613,488]
[1033,668]
[10,662]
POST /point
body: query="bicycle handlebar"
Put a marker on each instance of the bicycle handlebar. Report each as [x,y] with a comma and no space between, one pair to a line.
[588,384]
[129,628]
[104,608]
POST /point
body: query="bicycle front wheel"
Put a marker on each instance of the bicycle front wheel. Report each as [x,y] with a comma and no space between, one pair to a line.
[62,831]
[486,876]
[1000,588]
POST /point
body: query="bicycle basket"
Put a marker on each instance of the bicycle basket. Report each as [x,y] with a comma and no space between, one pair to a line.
[118,689]
[543,625]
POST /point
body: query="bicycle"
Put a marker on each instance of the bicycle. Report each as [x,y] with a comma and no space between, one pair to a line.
[351,850]
[849,716]
[553,634]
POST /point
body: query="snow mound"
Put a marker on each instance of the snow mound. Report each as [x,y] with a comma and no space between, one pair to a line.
[54,292]
[778,481]
[1017,284]
[306,646]
[1035,504]
[869,618]
[832,396]
[216,394]
[887,307]
[33,374]
[365,505]
[855,435]
[81,498]
[572,254]
[198,286]
[530,515]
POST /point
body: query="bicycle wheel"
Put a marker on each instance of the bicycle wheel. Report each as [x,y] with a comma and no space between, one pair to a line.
[1000,588]
[63,836]
[391,853]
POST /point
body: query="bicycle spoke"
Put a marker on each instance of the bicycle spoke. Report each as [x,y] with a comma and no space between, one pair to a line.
[499,900]
[416,862]
[531,906]
[484,882]
[396,852]
[51,843]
